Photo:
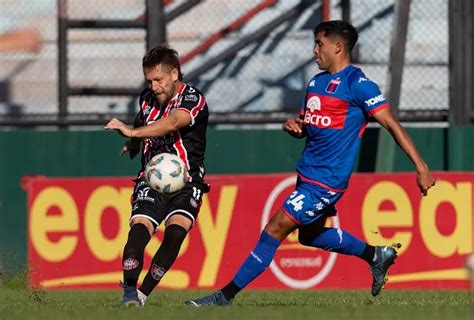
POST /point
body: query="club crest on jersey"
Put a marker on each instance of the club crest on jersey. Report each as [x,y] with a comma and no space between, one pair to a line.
[333,85]
[147,109]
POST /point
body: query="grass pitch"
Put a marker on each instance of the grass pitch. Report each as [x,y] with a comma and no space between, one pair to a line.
[18,302]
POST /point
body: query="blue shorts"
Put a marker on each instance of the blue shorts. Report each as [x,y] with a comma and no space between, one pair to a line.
[310,202]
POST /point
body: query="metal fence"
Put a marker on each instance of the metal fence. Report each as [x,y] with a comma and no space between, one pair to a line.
[251,59]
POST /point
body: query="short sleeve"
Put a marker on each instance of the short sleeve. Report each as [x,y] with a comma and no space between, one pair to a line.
[367,96]
[192,102]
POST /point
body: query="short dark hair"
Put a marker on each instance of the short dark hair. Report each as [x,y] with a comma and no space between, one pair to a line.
[162,54]
[338,28]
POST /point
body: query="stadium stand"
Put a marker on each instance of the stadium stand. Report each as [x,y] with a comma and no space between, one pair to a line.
[266,75]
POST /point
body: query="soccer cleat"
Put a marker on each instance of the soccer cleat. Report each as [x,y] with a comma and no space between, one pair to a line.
[130,296]
[215,299]
[384,258]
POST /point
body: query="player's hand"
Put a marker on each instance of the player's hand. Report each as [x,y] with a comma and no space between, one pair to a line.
[424,180]
[131,146]
[294,126]
[121,128]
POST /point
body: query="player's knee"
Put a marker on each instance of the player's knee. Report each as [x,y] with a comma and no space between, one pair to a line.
[145,222]
[279,226]
[130,252]
[138,238]
[174,235]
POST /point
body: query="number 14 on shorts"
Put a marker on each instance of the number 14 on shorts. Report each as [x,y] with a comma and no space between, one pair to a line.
[296,200]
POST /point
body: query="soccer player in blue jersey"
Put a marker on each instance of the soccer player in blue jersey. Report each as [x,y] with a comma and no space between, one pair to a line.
[333,117]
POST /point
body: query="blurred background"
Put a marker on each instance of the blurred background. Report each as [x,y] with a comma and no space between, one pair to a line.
[246,56]
[68,66]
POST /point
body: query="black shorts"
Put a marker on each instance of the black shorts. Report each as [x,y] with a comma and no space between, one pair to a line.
[158,207]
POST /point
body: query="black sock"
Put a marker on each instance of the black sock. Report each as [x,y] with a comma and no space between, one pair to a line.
[230,290]
[132,261]
[368,254]
[164,257]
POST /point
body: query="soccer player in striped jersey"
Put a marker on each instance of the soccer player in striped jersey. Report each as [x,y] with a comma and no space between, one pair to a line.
[173,118]
[332,119]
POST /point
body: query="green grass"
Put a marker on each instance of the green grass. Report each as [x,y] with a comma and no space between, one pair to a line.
[21,303]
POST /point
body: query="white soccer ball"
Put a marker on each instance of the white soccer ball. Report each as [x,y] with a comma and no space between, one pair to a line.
[166,173]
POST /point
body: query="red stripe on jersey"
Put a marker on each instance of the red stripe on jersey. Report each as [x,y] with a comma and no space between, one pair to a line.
[181,150]
[379,108]
[325,112]
[362,129]
[153,115]
[174,101]
[325,186]
[144,104]
[181,89]
[196,109]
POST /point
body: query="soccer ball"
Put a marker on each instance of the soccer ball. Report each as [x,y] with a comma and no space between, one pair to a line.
[166,173]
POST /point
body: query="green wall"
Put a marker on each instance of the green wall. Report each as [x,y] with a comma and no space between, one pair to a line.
[95,153]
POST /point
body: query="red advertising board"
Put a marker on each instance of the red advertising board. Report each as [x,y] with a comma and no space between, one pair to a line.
[78,227]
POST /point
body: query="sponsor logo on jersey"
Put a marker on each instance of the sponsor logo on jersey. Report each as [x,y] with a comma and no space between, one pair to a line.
[333,85]
[191,97]
[312,83]
[373,101]
[142,195]
[314,103]
[165,141]
[362,79]
[325,112]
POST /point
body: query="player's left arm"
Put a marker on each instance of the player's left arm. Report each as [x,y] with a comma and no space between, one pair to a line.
[401,137]
[178,119]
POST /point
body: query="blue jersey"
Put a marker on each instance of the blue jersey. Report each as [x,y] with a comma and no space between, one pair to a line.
[335,112]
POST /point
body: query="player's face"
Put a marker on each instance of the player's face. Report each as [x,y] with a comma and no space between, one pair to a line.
[324,50]
[163,81]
